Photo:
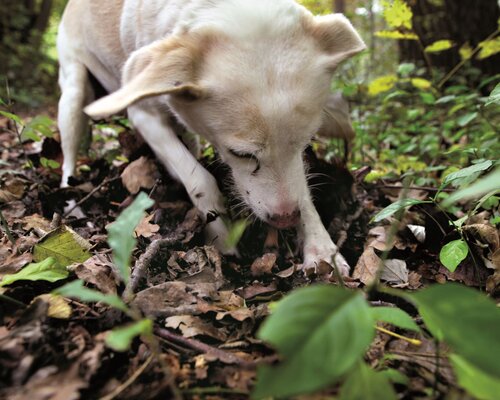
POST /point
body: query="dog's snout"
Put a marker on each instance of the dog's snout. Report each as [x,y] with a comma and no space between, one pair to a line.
[283,221]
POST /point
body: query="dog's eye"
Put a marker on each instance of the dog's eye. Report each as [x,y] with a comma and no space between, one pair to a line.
[238,154]
[246,156]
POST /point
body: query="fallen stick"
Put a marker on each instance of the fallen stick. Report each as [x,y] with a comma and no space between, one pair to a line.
[224,356]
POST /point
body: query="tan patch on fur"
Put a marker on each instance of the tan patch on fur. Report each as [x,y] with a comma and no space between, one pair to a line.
[255,127]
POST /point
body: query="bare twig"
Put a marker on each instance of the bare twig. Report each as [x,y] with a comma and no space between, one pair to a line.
[94,191]
[424,188]
[5,226]
[144,262]
[120,389]
[224,356]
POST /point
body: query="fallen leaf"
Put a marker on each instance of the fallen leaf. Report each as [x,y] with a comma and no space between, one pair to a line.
[142,173]
[146,228]
[63,244]
[395,272]
[191,326]
[59,307]
[263,265]
[367,266]
[99,271]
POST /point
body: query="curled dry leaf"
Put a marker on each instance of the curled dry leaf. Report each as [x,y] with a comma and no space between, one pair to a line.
[99,271]
[59,307]
[367,266]
[142,173]
[191,326]
[395,272]
[263,265]
[146,228]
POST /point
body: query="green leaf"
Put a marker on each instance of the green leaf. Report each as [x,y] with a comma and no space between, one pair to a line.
[439,45]
[397,14]
[321,332]
[420,83]
[466,119]
[453,254]
[120,339]
[382,84]
[12,117]
[47,270]
[465,319]
[121,233]
[395,376]
[394,316]
[479,384]
[485,185]
[236,231]
[395,207]
[489,48]
[464,174]
[363,383]
[63,244]
[494,96]
[77,290]
[396,35]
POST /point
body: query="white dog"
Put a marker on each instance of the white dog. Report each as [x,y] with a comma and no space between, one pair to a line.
[250,76]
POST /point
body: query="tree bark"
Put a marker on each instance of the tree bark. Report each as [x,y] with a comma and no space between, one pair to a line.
[339,6]
[462,23]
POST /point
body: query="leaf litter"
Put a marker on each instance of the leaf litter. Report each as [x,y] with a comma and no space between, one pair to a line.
[206,307]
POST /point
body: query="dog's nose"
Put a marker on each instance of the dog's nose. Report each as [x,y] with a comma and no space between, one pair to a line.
[284,221]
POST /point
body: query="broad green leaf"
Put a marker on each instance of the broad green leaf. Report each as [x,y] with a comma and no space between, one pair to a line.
[12,117]
[466,119]
[40,124]
[47,270]
[465,319]
[397,206]
[63,244]
[396,35]
[394,316]
[120,339]
[121,233]
[422,84]
[485,185]
[77,290]
[382,84]
[494,96]
[489,48]
[236,231]
[453,253]
[363,383]
[457,178]
[321,332]
[397,14]
[439,45]
[479,384]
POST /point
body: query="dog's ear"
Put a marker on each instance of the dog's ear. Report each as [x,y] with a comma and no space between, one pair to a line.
[336,37]
[164,67]
[336,120]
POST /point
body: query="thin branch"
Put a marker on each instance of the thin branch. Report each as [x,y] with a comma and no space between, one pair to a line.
[224,356]
[5,226]
[87,197]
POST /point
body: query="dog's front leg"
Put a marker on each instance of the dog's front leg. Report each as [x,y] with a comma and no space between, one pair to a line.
[317,242]
[183,166]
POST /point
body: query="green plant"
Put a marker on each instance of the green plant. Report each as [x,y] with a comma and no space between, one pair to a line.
[322,333]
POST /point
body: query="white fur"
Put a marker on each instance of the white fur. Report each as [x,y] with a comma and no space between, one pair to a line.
[261,81]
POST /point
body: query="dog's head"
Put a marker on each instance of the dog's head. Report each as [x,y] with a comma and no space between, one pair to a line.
[256,92]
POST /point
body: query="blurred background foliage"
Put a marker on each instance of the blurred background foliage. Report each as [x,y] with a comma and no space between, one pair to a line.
[418,93]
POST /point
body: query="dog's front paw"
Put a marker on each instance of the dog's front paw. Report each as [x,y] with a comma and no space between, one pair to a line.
[315,253]
[216,234]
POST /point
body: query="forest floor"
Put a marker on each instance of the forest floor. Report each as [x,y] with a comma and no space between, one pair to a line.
[207,308]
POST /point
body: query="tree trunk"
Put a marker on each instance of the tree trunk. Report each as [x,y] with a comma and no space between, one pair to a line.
[470,23]
[339,6]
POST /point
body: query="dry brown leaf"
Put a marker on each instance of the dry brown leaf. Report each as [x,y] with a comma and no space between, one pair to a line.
[38,223]
[99,271]
[59,307]
[146,228]
[367,266]
[191,326]
[142,173]
[11,190]
[263,265]
[395,272]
